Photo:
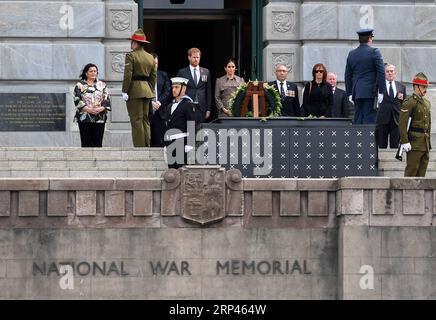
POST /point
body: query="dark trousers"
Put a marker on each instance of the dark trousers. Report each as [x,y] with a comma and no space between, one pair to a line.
[157,127]
[365,112]
[91,134]
[384,130]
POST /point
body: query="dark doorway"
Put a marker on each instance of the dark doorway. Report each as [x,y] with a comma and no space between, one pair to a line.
[218,40]
[219,34]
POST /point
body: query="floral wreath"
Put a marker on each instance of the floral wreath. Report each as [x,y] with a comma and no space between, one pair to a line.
[273,102]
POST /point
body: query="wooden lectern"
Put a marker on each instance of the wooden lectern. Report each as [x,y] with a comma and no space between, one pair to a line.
[254,89]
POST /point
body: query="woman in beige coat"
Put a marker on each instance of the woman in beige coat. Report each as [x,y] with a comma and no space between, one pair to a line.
[225,86]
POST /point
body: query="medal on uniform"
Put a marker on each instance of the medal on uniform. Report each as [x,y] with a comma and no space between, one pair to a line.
[290,93]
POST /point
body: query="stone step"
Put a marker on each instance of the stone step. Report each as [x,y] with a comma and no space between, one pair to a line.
[389,154]
[388,166]
[81,173]
[72,164]
[81,162]
[26,153]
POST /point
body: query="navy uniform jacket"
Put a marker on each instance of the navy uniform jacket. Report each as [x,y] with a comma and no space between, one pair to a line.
[290,103]
[158,118]
[184,112]
[390,108]
[364,73]
[202,92]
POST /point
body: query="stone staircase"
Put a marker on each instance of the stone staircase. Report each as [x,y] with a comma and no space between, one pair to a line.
[81,163]
[391,167]
[61,162]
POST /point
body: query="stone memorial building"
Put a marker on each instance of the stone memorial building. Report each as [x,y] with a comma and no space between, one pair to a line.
[44,46]
[113,223]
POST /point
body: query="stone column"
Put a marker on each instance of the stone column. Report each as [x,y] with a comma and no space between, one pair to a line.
[121,22]
[281,30]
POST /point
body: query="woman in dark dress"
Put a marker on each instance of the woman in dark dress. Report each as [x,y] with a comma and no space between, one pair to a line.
[318,94]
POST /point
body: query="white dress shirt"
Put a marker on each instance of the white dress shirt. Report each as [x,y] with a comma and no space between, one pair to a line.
[285,87]
[192,73]
[394,87]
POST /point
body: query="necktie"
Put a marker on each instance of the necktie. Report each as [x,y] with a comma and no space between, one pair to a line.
[282,92]
[195,76]
[391,90]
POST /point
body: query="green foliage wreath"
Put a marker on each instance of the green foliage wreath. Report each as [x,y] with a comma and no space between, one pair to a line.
[273,102]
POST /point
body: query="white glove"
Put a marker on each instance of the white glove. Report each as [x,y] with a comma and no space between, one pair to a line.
[406,147]
[350,98]
[125,96]
[380,98]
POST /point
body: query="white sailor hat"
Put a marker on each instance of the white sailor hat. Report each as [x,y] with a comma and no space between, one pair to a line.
[179,80]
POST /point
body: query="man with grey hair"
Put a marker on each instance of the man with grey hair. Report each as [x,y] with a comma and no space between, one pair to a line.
[389,110]
[288,92]
[341,105]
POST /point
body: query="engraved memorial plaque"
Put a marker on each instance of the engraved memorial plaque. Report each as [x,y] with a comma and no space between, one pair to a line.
[32,111]
[203,193]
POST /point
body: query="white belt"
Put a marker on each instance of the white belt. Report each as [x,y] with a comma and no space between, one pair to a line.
[178,136]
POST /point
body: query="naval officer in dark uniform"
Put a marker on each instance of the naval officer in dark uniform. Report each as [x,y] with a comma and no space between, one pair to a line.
[364,78]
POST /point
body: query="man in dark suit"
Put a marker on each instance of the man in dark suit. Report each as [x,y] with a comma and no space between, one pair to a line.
[162,91]
[199,85]
[389,110]
[341,104]
[178,113]
[288,92]
[364,76]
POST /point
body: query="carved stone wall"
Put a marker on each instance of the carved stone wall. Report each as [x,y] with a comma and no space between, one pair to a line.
[203,195]
[266,239]
[44,47]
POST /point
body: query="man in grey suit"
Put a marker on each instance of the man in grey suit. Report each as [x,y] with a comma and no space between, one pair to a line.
[364,77]
[341,104]
[199,85]
[389,110]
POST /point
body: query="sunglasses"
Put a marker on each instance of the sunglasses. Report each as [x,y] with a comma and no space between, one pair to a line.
[319,71]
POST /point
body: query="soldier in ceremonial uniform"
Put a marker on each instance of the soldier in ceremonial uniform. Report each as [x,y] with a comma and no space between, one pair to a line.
[138,85]
[415,136]
[181,110]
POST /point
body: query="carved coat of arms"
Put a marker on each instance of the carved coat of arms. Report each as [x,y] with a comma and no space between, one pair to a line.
[203,193]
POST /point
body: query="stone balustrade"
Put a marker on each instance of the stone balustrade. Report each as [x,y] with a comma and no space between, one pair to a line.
[252,203]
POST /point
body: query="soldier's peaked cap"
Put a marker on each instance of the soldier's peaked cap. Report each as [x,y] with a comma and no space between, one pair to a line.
[365,32]
[179,80]
[421,79]
[139,36]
